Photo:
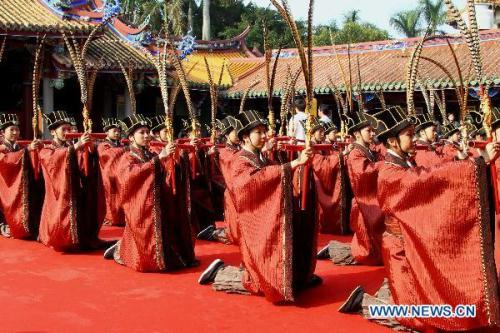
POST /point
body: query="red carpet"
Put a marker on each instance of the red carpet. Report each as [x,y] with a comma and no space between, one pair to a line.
[45,291]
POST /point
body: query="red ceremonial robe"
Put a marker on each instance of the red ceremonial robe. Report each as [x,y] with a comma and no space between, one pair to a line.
[69,213]
[367,219]
[277,248]
[226,157]
[450,150]
[203,212]
[332,206]
[429,157]
[438,245]
[110,211]
[179,200]
[153,239]
[19,202]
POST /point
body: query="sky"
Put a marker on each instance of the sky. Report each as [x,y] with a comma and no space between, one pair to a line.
[377,12]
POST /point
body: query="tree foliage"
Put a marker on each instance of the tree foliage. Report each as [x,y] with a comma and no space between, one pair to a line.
[231,17]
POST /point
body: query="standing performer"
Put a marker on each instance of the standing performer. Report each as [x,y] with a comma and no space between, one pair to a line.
[452,137]
[277,253]
[366,219]
[425,128]
[19,203]
[423,264]
[330,176]
[109,152]
[158,128]
[330,133]
[68,220]
[228,127]
[152,241]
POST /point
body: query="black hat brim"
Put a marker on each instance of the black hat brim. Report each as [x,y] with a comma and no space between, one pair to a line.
[135,127]
[424,125]
[450,133]
[359,126]
[7,124]
[107,128]
[158,128]
[248,128]
[58,123]
[394,131]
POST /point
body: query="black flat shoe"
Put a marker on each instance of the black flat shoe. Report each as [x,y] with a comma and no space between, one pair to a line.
[209,274]
[354,301]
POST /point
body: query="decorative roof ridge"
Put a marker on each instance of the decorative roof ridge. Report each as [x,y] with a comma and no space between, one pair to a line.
[392,44]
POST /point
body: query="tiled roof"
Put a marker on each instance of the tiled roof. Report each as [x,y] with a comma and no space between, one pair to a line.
[382,66]
[215,59]
[33,17]
[105,52]
[30,16]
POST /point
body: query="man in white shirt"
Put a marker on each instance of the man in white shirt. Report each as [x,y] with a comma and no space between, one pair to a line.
[324,113]
[295,126]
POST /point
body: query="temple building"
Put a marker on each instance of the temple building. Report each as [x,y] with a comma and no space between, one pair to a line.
[115,45]
[376,68]
[377,72]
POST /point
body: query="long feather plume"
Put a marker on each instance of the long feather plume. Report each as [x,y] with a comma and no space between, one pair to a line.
[128,73]
[245,95]
[284,10]
[213,99]
[360,83]
[2,48]
[37,74]
[288,96]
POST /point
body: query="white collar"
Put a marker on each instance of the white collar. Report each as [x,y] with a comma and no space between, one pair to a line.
[393,153]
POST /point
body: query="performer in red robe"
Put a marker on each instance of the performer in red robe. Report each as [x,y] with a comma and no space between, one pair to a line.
[109,152]
[330,180]
[475,130]
[69,214]
[223,161]
[203,212]
[19,201]
[278,257]
[153,239]
[330,132]
[438,244]
[366,219]
[179,192]
[452,137]
[428,153]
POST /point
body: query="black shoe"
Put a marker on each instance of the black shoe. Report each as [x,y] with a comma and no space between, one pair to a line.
[315,281]
[354,301]
[323,254]
[207,233]
[109,254]
[209,274]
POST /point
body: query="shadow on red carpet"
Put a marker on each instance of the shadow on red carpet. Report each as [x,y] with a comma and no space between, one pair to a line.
[46,291]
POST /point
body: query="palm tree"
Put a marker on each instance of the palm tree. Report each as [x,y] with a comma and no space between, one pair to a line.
[352,16]
[434,14]
[153,12]
[206,33]
[407,22]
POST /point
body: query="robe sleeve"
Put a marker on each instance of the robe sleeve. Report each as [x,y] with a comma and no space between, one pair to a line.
[58,224]
[142,242]
[109,195]
[447,246]
[329,179]
[14,186]
[263,203]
